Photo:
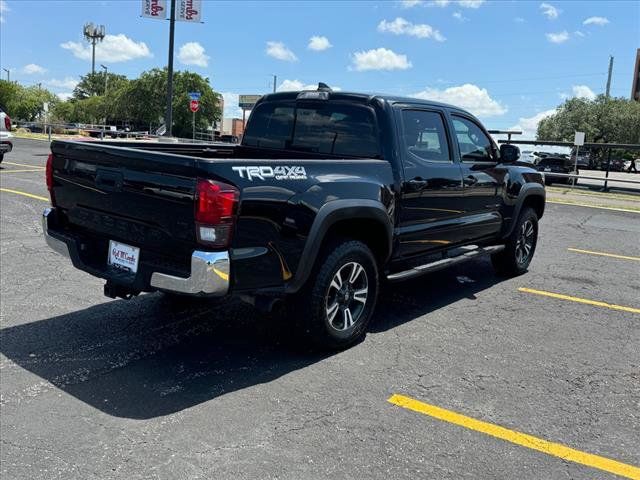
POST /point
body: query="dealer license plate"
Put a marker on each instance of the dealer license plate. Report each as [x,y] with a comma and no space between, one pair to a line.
[123,256]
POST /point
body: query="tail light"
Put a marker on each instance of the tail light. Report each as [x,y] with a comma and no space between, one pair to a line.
[49,178]
[215,212]
[7,123]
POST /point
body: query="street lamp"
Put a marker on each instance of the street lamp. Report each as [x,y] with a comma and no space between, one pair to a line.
[105,78]
[93,34]
[8,74]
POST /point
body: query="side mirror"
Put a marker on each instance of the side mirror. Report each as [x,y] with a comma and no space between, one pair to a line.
[509,153]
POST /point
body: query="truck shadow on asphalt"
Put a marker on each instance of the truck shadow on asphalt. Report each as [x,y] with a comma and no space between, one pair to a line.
[151,356]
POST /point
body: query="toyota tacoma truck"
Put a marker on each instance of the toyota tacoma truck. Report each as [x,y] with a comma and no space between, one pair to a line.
[329,196]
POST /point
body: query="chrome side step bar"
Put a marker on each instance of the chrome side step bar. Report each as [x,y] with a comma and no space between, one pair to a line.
[469,253]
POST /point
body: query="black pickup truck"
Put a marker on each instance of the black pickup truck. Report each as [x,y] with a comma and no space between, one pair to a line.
[329,195]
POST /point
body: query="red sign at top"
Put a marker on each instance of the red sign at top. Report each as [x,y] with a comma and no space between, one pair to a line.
[194,105]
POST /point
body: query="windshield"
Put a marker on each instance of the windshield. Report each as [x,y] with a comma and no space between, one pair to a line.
[328,128]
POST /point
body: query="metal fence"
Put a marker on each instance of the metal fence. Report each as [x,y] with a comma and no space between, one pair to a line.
[604,146]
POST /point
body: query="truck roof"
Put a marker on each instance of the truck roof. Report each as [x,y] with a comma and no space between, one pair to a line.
[364,98]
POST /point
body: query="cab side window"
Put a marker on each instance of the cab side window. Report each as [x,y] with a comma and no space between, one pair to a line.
[424,136]
[473,143]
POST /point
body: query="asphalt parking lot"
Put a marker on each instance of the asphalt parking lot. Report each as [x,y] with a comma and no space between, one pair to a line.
[462,375]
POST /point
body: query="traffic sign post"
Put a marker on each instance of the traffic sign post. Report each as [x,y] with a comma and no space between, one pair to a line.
[578,140]
[194,106]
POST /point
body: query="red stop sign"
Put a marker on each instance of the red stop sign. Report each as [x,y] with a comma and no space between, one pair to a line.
[194,105]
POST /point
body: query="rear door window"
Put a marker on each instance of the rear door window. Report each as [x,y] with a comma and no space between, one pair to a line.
[326,128]
[424,135]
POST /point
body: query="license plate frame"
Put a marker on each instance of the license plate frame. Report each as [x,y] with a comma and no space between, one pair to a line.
[123,257]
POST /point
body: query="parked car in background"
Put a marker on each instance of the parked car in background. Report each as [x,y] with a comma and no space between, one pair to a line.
[528,156]
[584,159]
[556,164]
[6,145]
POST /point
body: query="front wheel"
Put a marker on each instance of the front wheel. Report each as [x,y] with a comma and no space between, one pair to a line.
[520,247]
[334,309]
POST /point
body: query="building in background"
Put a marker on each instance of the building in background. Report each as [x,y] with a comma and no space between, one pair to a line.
[635,85]
[232,126]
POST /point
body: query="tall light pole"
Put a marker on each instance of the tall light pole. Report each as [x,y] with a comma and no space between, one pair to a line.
[93,34]
[172,29]
[105,78]
[8,74]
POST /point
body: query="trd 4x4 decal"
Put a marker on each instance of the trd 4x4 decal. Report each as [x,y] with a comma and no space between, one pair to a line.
[264,172]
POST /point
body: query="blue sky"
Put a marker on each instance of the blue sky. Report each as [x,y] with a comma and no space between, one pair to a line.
[510,62]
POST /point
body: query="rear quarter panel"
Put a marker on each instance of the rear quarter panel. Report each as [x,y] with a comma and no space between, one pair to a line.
[278,204]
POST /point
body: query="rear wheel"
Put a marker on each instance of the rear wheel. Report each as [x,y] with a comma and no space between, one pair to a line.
[520,247]
[334,309]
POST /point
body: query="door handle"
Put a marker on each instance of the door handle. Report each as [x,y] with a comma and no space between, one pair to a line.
[417,184]
[470,180]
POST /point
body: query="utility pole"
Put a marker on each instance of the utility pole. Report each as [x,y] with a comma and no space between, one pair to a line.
[105,78]
[609,76]
[172,28]
[93,34]
[275,80]
[8,74]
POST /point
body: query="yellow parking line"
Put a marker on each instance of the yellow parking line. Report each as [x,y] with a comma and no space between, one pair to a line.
[23,165]
[573,204]
[602,254]
[21,170]
[522,439]
[30,195]
[595,303]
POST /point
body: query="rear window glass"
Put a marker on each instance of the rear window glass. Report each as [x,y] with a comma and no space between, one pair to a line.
[328,128]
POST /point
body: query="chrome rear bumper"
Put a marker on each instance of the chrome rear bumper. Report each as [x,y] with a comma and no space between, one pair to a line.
[209,270]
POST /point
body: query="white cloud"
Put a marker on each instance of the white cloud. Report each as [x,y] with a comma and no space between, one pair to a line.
[468,96]
[319,43]
[578,33]
[280,51]
[33,69]
[410,3]
[400,26]
[461,3]
[596,21]
[519,20]
[114,48]
[64,96]
[470,3]
[231,108]
[529,125]
[379,59]
[192,53]
[559,37]
[458,16]
[582,91]
[68,83]
[297,85]
[4,8]
[550,11]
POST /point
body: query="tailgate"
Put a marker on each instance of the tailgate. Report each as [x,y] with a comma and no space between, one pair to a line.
[142,198]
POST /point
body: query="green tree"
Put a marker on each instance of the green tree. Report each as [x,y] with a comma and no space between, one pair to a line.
[613,120]
[93,84]
[25,103]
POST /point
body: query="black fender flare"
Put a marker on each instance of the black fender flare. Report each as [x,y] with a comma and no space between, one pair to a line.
[327,216]
[528,190]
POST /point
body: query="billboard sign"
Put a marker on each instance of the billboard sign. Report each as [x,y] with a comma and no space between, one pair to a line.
[188,10]
[154,9]
[246,102]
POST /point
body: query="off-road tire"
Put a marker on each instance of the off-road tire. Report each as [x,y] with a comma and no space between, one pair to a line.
[310,308]
[520,246]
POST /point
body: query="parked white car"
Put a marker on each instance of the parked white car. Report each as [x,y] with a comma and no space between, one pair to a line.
[5,134]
